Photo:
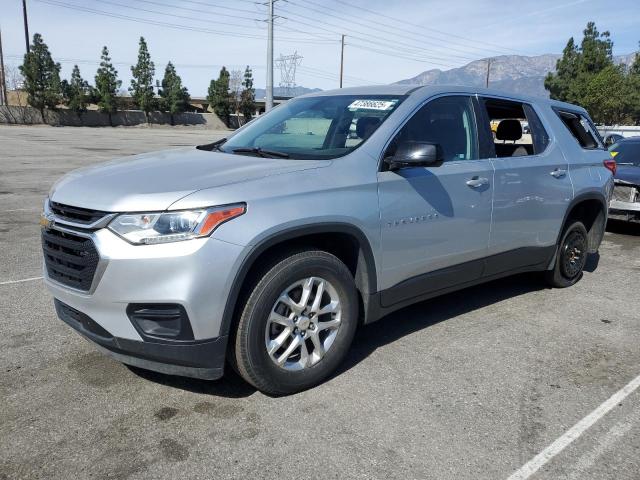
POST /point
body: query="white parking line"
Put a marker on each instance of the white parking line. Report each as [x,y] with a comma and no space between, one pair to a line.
[11,282]
[604,444]
[574,432]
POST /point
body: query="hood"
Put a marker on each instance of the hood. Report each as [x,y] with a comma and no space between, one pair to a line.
[153,181]
[628,173]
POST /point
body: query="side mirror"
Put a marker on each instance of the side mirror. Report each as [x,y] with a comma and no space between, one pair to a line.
[416,154]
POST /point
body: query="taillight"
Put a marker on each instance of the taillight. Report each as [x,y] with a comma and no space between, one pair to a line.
[610,164]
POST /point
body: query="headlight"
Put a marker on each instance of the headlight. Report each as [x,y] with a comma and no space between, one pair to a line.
[163,227]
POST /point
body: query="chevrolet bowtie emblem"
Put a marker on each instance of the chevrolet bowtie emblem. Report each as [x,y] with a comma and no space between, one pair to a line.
[47,221]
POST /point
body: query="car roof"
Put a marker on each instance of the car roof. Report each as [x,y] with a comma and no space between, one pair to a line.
[430,90]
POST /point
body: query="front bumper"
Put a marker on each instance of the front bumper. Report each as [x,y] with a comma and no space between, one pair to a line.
[626,211]
[195,274]
[197,359]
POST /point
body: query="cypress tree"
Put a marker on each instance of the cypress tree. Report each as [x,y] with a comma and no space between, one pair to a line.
[174,98]
[41,77]
[107,85]
[142,82]
[76,92]
[218,96]
[248,95]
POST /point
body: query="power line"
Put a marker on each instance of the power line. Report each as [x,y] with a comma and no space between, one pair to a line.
[422,28]
[208,4]
[151,2]
[427,58]
[333,76]
[394,54]
[168,24]
[351,22]
[222,7]
[175,15]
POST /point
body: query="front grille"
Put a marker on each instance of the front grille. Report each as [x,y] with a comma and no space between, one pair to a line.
[70,259]
[624,193]
[79,215]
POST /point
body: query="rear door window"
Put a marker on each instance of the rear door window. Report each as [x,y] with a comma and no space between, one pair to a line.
[516,129]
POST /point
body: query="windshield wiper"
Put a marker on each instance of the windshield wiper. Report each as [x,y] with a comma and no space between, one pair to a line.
[209,147]
[261,152]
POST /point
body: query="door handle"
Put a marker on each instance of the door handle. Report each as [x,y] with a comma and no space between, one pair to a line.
[476,181]
[558,173]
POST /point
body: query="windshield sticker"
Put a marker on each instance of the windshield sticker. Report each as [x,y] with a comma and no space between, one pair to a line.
[373,105]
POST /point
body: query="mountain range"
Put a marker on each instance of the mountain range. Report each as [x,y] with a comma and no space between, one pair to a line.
[511,73]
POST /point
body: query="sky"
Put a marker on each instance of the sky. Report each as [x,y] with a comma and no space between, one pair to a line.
[385,41]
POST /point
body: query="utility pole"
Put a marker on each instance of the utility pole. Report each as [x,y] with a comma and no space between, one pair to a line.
[488,72]
[341,59]
[269,99]
[4,100]
[26,24]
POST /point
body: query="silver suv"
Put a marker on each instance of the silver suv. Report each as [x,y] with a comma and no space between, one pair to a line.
[266,250]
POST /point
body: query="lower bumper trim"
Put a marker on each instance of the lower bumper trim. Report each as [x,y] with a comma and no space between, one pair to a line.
[195,358]
[624,215]
[204,373]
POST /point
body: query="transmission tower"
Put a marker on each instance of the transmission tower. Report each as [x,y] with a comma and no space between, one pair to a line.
[287,65]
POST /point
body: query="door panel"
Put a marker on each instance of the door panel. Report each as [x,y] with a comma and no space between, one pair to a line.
[531,194]
[435,217]
[431,219]
[530,199]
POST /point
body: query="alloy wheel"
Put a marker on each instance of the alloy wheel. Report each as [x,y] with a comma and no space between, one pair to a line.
[303,324]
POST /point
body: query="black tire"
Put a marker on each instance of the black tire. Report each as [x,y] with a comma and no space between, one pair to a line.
[250,352]
[568,266]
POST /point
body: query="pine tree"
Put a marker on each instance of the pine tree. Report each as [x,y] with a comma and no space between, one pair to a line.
[76,92]
[142,82]
[586,75]
[218,96]
[596,50]
[560,83]
[107,85]
[41,77]
[248,95]
[174,98]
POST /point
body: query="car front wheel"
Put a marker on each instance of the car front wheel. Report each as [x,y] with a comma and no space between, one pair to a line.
[297,324]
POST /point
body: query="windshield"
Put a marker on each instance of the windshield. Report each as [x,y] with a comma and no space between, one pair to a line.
[626,153]
[314,128]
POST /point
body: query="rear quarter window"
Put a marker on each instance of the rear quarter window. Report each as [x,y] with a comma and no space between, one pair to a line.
[581,129]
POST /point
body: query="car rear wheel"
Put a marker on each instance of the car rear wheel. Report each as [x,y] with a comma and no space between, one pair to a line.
[571,257]
[297,324]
